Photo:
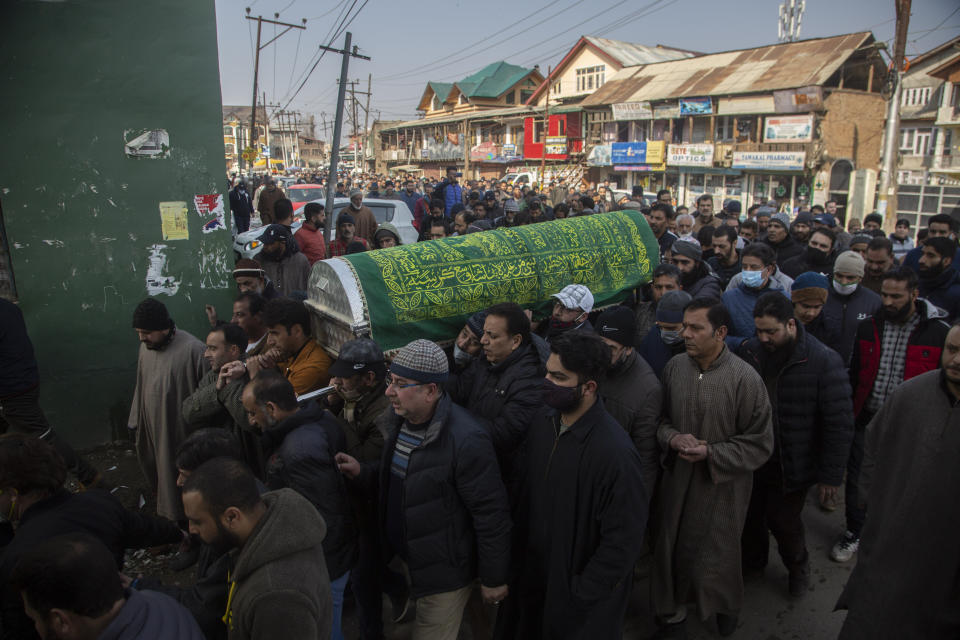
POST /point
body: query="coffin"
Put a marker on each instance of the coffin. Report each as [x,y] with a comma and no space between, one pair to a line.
[429,289]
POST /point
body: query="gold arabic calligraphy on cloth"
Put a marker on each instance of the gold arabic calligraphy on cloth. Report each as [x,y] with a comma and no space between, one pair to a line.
[525,265]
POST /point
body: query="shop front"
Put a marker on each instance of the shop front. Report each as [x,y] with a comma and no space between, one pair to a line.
[775,175]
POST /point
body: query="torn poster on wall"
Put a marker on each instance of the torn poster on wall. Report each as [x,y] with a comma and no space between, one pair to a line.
[214,265]
[146,143]
[207,206]
[173,220]
[157,280]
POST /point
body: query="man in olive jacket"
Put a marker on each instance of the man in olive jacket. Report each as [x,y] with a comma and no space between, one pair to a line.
[279,582]
[631,391]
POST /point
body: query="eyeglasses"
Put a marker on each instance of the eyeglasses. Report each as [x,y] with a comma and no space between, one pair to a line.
[393,381]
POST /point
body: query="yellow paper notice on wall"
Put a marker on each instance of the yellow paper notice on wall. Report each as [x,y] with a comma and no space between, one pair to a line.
[173,220]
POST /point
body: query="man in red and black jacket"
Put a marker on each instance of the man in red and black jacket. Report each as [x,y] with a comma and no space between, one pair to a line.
[902,340]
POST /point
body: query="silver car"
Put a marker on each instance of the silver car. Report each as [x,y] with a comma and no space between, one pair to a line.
[396,212]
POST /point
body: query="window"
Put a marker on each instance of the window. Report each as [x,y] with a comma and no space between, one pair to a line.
[724,129]
[922,146]
[556,87]
[229,149]
[525,95]
[916,96]
[590,78]
[462,99]
[906,139]
[512,97]
[701,129]
[228,131]
[947,140]
[955,96]
[435,103]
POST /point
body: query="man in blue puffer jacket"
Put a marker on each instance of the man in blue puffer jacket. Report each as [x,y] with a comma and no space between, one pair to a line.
[449,191]
[759,265]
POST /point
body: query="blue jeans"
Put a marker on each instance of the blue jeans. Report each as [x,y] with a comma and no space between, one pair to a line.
[336,590]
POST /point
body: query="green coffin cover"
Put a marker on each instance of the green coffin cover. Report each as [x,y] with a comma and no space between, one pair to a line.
[429,289]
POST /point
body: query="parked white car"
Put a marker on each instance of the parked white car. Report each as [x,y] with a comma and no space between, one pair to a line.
[396,212]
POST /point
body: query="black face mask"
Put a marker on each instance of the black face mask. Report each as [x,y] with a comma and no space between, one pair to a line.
[563,399]
[816,256]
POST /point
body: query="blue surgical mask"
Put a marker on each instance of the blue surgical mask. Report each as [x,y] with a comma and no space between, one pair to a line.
[670,337]
[752,279]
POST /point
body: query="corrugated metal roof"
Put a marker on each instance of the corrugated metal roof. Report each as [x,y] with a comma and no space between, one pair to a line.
[471,115]
[492,80]
[630,54]
[770,68]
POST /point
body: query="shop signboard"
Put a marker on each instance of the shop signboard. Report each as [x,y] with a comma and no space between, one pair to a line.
[628,153]
[772,160]
[788,128]
[640,167]
[666,110]
[556,146]
[632,111]
[656,152]
[799,100]
[484,151]
[690,155]
[599,156]
[696,106]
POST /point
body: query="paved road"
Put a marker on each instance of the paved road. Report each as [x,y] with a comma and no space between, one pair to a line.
[769,611]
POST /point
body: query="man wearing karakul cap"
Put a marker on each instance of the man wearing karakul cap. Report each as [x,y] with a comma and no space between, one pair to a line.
[363,218]
[251,278]
[443,506]
[169,368]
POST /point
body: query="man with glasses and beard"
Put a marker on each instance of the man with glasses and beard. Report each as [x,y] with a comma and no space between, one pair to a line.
[443,508]
[902,340]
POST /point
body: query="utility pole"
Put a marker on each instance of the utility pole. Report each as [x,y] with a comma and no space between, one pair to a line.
[366,115]
[546,131]
[256,71]
[887,198]
[338,127]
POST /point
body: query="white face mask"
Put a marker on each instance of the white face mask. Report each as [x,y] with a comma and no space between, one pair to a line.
[460,356]
[844,289]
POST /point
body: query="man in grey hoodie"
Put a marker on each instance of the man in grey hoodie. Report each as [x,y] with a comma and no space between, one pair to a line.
[279,578]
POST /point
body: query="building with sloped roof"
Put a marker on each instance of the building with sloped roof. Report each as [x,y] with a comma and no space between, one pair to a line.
[797,123]
[497,85]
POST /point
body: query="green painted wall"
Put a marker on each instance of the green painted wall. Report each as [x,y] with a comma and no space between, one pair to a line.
[82,218]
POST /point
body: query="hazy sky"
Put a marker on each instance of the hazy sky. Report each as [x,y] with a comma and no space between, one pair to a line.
[412,42]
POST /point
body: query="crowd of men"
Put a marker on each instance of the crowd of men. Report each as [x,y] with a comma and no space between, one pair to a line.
[513,480]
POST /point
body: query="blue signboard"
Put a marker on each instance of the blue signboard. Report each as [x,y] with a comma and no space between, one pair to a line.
[696,106]
[628,152]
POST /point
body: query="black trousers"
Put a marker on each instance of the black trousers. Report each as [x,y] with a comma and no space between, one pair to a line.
[21,413]
[771,510]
